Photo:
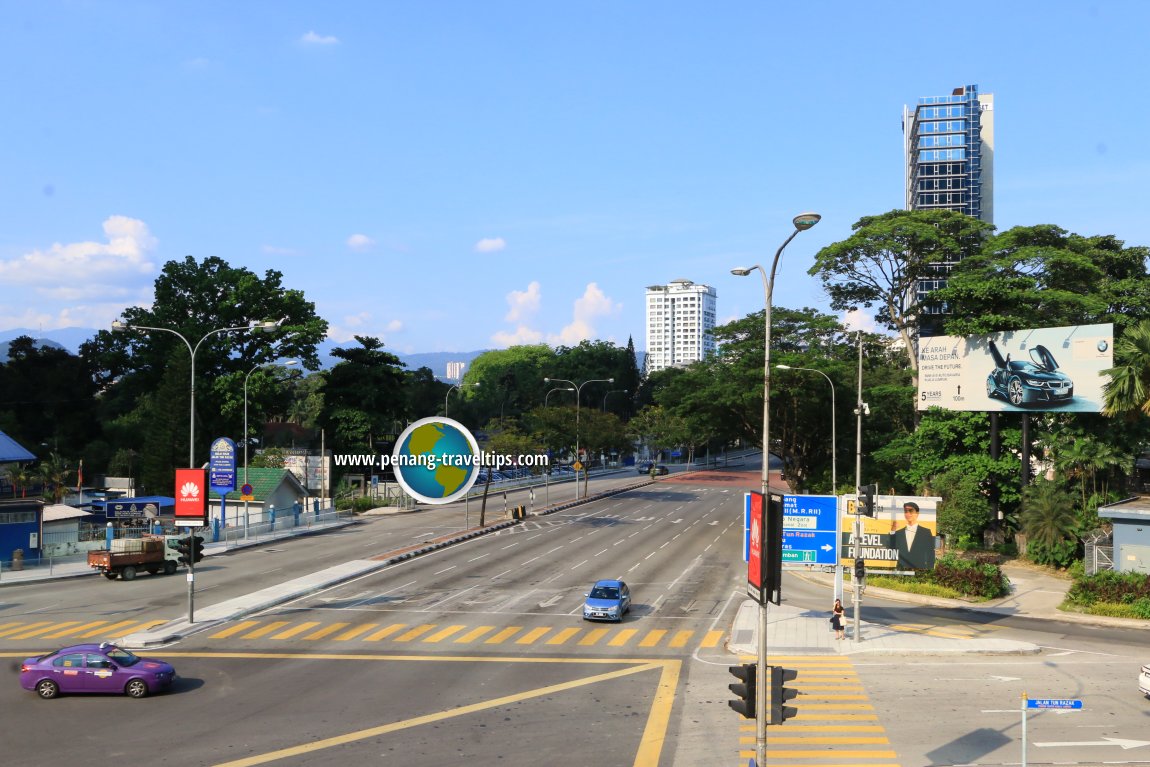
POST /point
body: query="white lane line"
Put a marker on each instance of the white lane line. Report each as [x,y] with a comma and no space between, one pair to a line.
[576,567]
[445,570]
[481,556]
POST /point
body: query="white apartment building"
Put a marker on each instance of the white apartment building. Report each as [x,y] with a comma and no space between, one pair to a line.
[680,324]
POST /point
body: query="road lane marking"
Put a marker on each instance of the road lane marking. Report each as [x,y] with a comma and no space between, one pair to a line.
[385,632]
[296,630]
[650,745]
[712,639]
[43,630]
[531,636]
[444,633]
[22,627]
[563,636]
[623,637]
[357,631]
[474,634]
[653,637]
[327,630]
[504,635]
[415,633]
[593,636]
[265,630]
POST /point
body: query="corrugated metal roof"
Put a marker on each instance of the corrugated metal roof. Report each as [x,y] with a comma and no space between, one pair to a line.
[10,451]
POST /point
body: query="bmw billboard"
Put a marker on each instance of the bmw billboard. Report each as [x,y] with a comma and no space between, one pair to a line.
[1018,370]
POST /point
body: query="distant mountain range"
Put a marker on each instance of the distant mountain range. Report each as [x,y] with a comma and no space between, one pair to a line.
[71,338]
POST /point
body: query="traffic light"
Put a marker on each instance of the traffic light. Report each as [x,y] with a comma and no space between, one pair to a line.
[860,569]
[746,674]
[868,494]
[184,547]
[780,711]
[197,547]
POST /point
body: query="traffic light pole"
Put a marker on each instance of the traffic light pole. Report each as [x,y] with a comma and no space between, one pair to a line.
[192,588]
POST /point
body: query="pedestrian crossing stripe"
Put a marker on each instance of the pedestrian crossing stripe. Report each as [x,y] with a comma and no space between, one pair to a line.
[104,629]
[427,633]
[834,719]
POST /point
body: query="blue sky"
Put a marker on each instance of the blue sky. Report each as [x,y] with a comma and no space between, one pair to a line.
[468,174]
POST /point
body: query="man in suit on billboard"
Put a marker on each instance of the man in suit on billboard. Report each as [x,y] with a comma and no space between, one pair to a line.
[914,542]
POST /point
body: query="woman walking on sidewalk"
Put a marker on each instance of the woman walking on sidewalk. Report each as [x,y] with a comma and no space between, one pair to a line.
[837,619]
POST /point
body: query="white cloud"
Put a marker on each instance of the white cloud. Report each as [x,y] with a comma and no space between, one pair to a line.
[362,324]
[73,271]
[394,326]
[859,319]
[594,303]
[311,38]
[523,303]
[360,243]
[490,245]
[521,335]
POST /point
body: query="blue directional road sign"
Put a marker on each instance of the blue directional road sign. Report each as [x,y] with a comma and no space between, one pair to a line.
[1053,703]
[810,529]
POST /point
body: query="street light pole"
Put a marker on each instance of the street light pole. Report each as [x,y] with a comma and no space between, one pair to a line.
[453,388]
[547,474]
[802,222]
[578,396]
[123,327]
[860,409]
[608,394]
[834,439]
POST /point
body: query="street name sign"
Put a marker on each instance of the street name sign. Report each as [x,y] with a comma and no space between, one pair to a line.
[810,529]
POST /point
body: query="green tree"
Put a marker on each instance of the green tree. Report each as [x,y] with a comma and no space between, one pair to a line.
[363,396]
[1049,522]
[510,382]
[145,375]
[881,264]
[54,474]
[1127,392]
[964,511]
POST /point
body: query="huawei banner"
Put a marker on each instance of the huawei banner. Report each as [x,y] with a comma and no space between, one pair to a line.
[1015,371]
[191,497]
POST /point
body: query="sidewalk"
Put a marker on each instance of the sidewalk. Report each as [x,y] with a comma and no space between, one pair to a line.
[1034,594]
[77,567]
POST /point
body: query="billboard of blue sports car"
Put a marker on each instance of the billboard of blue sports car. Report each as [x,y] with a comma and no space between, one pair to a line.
[1036,369]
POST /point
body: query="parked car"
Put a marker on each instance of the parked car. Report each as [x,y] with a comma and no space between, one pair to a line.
[608,600]
[644,468]
[1144,681]
[95,668]
[1030,382]
[661,470]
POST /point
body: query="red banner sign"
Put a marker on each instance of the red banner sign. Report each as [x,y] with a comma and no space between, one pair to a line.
[755,549]
[191,494]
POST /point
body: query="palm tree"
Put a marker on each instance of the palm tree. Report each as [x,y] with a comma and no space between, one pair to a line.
[1049,521]
[19,477]
[1128,390]
[52,474]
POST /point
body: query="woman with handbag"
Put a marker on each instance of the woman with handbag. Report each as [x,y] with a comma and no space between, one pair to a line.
[837,620]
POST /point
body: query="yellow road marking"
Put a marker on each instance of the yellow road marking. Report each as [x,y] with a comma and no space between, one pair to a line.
[650,746]
[108,629]
[653,637]
[712,639]
[347,635]
[504,635]
[474,634]
[532,635]
[802,740]
[563,635]
[415,633]
[44,630]
[442,634]
[74,630]
[296,630]
[21,627]
[265,630]
[593,636]
[681,638]
[327,631]
[623,637]
[233,630]
[785,754]
[383,633]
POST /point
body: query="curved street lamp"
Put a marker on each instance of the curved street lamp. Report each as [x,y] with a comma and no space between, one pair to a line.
[578,393]
[453,388]
[802,222]
[608,394]
[834,440]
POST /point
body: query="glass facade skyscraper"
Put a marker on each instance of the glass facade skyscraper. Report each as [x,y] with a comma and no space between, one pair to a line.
[948,150]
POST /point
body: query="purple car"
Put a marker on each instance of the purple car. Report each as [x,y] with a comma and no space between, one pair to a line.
[97,668]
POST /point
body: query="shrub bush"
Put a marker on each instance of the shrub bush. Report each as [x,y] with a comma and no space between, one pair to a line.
[974,578]
[1111,587]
